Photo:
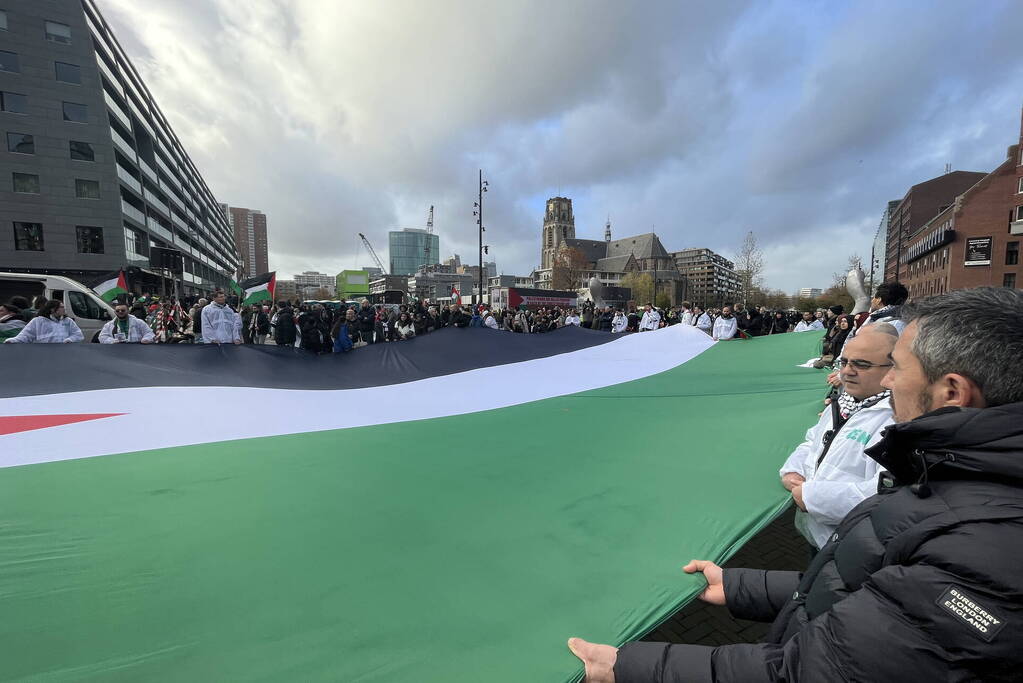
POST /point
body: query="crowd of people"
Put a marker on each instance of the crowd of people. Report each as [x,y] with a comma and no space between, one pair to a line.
[909,492]
[322,328]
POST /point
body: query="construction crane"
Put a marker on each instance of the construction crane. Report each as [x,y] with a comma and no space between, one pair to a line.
[429,229]
[372,252]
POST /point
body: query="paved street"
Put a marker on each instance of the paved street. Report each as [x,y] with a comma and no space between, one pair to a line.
[778,546]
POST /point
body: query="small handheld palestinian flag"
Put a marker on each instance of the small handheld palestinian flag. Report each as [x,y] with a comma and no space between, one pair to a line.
[111,286]
[258,289]
[454,294]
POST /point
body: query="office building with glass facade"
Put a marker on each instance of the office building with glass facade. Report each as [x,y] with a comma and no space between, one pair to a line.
[91,175]
[410,248]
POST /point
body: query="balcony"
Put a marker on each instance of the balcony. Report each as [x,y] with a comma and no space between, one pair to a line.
[133,213]
[176,220]
[148,170]
[111,77]
[128,179]
[159,230]
[116,110]
[122,144]
[164,167]
[1016,227]
[151,198]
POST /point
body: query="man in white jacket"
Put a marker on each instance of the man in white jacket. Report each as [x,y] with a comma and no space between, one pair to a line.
[808,324]
[125,328]
[687,313]
[220,323]
[725,326]
[828,474]
[651,319]
[701,319]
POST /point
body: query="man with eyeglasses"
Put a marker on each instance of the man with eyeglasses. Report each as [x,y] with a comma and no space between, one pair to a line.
[828,474]
[125,328]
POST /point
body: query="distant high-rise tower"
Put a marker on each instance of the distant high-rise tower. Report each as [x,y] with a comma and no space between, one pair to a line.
[249,227]
[558,226]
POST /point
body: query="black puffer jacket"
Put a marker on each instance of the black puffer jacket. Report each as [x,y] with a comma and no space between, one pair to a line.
[923,582]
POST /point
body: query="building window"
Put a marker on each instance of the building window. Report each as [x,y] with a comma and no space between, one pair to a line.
[68,73]
[3,20]
[82,151]
[28,236]
[1019,213]
[1019,190]
[26,183]
[13,102]
[86,189]
[1012,254]
[20,143]
[77,113]
[90,239]
[1009,280]
[9,62]
[58,33]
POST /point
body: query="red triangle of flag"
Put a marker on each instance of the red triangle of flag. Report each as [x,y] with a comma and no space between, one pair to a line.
[25,423]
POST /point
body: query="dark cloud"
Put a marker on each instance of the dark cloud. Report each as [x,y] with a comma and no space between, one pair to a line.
[795,120]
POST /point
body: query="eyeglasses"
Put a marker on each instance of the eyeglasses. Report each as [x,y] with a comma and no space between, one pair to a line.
[861,364]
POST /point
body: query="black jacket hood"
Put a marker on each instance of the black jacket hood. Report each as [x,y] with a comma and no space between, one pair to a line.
[974,443]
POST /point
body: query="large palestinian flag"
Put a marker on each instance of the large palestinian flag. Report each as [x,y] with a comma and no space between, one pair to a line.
[451,508]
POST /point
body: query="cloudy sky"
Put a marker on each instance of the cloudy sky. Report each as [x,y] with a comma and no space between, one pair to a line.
[699,120]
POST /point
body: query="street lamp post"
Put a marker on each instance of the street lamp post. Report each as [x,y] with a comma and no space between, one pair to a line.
[479,221]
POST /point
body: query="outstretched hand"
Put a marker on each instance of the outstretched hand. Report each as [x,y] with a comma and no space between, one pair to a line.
[598,660]
[714,593]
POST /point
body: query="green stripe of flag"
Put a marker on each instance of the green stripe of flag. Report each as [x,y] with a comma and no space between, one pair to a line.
[424,551]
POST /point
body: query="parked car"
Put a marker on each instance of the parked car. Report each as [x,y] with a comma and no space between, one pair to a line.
[80,303]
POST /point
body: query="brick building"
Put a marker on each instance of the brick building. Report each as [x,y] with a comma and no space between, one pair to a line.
[921,204]
[975,241]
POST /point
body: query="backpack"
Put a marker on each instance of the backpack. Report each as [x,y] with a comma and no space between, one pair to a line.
[476,321]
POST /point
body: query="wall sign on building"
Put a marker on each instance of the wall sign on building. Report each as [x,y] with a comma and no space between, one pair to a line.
[978,251]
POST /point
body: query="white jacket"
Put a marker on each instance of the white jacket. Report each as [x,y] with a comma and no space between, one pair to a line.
[572,320]
[802,326]
[687,317]
[489,321]
[220,324]
[845,477]
[619,322]
[704,323]
[138,331]
[48,331]
[724,328]
[650,321]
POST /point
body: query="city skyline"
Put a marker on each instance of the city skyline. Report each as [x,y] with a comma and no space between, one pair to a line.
[774,118]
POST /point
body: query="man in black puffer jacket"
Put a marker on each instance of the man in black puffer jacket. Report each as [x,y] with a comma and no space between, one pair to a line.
[921,582]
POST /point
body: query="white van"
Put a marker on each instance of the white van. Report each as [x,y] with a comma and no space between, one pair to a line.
[80,303]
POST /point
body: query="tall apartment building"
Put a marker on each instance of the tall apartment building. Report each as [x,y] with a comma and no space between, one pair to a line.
[92,176]
[921,203]
[711,277]
[249,227]
[809,292]
[410,248]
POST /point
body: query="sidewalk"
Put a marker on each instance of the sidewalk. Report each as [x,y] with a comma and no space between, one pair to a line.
[778,546]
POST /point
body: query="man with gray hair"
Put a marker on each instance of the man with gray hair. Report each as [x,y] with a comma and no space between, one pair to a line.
[921,582]
[828,474]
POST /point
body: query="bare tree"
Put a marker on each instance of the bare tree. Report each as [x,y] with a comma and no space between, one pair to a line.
[749,266]
[568,268]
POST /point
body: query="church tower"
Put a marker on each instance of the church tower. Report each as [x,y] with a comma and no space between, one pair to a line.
[558,225]
[607,230]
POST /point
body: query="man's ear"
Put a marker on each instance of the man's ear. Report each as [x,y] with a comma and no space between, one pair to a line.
[958,390]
